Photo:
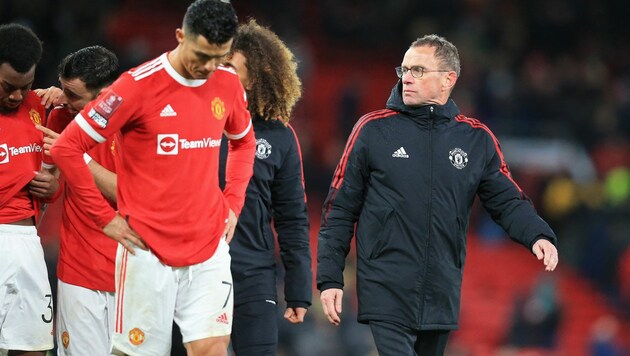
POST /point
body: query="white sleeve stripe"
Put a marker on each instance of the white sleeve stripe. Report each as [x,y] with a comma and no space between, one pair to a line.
[48,166]
[146,66]
[241,135]
[89,129]
[148,73]
[227,69]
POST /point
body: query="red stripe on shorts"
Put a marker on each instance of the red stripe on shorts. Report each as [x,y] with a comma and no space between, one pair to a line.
[121,292]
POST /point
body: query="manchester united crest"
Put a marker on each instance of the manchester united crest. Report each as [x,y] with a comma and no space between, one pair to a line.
[263,148]
[458,158]
[65,339]
[218,108]
[37,120]
[136,336]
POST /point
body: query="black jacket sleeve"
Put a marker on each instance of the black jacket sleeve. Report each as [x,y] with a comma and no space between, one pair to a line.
[292,226]
[341,211]
[507,203]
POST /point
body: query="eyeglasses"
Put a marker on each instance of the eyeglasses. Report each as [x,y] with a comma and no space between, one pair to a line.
[416,71]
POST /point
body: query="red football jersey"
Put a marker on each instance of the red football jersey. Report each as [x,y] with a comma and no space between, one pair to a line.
[86,255]
[21,151]
[171,129]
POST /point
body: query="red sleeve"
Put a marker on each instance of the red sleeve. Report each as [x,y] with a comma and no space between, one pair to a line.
[239,169]
[242,147]
[100,119]
[67,152]
[58,119]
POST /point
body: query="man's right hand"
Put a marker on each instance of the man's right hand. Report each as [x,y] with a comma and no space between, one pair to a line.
[119,230]
[331,302]
[50,96]
[50,137]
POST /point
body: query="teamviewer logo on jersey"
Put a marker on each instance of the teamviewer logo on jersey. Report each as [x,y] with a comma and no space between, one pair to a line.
[167,144]
[4,153]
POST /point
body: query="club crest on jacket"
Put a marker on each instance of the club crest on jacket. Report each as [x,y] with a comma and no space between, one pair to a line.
[458,158]
[263,148]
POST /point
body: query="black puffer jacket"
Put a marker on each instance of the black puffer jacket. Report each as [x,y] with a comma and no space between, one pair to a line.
[408,178]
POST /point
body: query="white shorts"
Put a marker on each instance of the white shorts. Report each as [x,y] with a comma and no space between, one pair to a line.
[85,320]
[26,306]
[150,295]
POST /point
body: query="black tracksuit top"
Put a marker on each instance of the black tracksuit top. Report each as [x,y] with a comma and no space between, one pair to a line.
[408,178]
[275,191]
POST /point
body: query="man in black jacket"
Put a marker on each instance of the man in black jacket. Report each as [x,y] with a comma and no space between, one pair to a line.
[407,179]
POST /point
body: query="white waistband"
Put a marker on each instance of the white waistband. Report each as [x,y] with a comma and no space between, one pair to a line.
[18,230]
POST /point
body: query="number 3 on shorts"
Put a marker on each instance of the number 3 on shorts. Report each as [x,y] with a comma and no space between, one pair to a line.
[49,319]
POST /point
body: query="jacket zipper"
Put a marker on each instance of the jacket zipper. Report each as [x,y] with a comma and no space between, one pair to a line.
[426,250]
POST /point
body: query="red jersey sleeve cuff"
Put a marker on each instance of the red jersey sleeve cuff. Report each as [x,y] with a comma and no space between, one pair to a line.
[105,219]
[235,208]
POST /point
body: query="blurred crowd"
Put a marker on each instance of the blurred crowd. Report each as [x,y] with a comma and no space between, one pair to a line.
[551,78]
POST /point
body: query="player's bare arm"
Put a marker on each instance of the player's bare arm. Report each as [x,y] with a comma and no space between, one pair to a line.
[105,180]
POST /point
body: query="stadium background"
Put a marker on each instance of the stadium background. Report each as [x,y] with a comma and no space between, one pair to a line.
[551,78]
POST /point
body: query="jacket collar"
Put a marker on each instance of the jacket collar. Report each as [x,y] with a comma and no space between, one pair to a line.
[439,113]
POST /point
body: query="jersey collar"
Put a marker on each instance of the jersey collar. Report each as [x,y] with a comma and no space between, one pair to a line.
[178,77]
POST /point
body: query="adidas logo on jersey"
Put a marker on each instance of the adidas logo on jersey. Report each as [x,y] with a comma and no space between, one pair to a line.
[400,153]
[168,111]
[223,319]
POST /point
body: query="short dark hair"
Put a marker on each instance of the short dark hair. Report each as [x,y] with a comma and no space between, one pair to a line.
[20,47]
[213,19]
[96,66]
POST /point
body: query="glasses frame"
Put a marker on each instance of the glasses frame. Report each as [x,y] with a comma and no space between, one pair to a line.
[401,71]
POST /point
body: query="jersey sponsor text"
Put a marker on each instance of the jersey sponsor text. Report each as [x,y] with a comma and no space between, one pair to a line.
[5,150]
[207,142]
[167,144]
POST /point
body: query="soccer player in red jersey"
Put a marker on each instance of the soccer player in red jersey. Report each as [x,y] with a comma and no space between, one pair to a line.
[26,312]
[85,289]
[171,112]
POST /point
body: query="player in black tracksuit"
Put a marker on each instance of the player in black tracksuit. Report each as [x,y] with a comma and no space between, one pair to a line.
[408,178]
[275,193]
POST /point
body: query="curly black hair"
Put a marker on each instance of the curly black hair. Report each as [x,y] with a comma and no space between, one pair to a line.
[96,66]
[271,71]
[20,47]
[213,19]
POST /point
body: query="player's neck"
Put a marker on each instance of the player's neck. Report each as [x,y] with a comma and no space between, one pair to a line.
[176,63]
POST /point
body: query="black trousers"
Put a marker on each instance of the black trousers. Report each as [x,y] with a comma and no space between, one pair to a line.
[255,329]
[396,340]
